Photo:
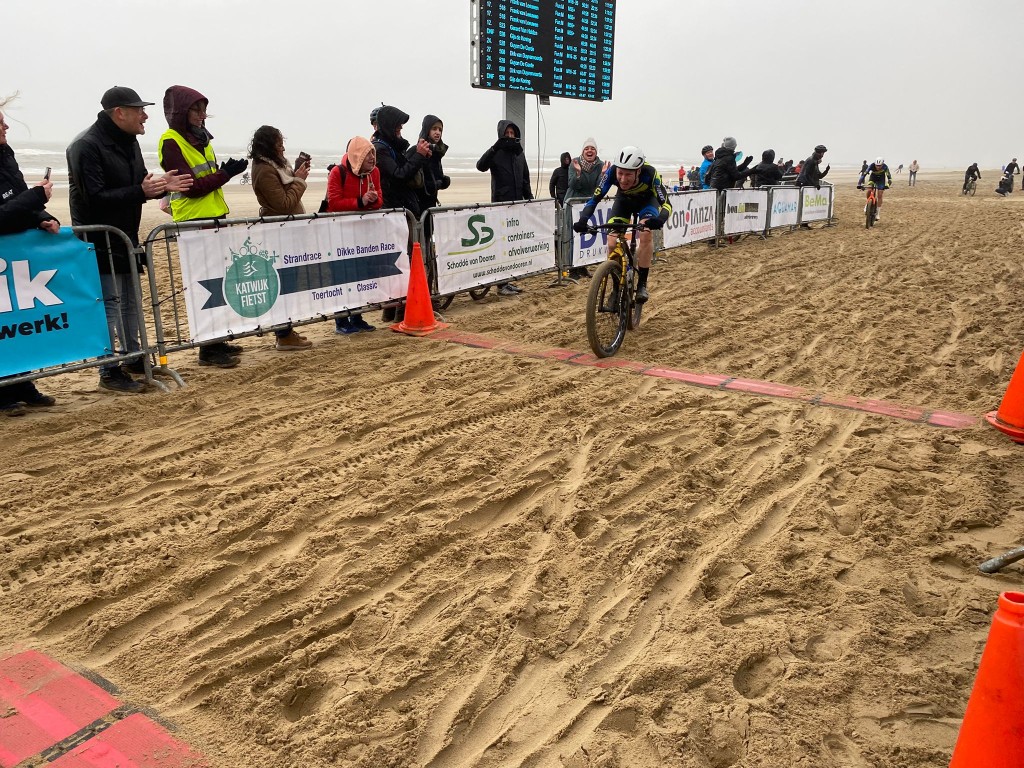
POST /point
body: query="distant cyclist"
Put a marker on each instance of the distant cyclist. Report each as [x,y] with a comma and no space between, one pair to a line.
[641,192]
[971,174]
[878,176]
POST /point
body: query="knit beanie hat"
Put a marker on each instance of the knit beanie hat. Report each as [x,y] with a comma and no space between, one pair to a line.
[589,142]
[729,143]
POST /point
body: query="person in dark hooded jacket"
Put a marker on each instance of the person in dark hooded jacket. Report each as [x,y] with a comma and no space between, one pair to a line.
[510,176]
[401,173]
[811,173]
[724,173]
[434,179]
[559,181]
[766,173]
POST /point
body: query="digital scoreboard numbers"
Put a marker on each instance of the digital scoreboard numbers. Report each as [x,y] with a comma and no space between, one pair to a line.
[549,47]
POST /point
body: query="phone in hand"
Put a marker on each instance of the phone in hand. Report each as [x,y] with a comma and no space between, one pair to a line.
[301,160]
[46,176]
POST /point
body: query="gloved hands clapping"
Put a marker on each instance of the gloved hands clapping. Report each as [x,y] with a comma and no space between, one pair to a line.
[233,167]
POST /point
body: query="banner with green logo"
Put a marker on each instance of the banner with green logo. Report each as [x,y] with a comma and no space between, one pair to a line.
[243,278]
[489,244]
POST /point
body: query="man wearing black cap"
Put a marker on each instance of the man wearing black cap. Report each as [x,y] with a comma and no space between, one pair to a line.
[109,184]
[811,174]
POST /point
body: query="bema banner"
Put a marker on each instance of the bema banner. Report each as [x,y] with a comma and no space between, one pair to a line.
[51,305]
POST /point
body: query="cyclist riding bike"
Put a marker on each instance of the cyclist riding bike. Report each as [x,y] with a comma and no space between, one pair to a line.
[878,176]
[640,192]
[971,174]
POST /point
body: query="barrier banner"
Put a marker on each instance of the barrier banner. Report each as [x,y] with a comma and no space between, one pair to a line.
[243,277]
[815,203]
[693,217]
[589,249]
[51,304]
[489,244]
[785,207]
[746,210]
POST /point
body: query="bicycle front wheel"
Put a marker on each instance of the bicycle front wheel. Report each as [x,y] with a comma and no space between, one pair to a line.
[972,188]
[606,315]
[870,214]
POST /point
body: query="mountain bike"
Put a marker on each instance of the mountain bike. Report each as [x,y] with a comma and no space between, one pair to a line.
[971,187]
[611,305]
[871,209]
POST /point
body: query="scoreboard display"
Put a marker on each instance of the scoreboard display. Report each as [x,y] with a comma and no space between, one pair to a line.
[547,47]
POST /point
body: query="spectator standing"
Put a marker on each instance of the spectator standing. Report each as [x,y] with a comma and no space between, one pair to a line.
[279,189]
[186,147]
[811,173]
[401,172]
[724,172]
[766,173]
[559,182]
[510,176]
[354,185]
[912,173]
[109,184]
[434,180]
[584,176]
[1011,170]
[708,153]
[21,208]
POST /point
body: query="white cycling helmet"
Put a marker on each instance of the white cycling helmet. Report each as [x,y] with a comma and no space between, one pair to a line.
[630,158]
[879,161]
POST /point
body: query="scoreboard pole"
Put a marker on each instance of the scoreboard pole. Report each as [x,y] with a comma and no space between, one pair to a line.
[515,111]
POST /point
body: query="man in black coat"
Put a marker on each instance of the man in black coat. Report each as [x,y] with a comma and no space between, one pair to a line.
[510,176]
[109,184]
[766,173]
[811,174]
[724,173]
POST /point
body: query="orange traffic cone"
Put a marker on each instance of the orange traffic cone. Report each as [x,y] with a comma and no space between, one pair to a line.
[1009,419]
[992,733]
[419,312]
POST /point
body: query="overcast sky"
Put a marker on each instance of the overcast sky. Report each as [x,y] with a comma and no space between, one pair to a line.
[933,80]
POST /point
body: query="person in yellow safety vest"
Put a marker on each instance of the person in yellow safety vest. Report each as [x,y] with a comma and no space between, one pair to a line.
[186,147]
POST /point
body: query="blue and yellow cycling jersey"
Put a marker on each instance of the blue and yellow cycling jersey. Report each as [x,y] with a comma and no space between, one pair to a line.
[649,188]
[878,177]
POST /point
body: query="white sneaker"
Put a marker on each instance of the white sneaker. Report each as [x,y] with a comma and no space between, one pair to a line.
[865,209]
[878,217]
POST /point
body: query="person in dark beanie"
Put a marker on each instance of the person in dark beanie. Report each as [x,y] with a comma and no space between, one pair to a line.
[559,182]
[510,176]
[766,173]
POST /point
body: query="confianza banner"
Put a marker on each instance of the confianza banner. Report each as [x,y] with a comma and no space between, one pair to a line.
[245,277]
[693,217]
[489,244]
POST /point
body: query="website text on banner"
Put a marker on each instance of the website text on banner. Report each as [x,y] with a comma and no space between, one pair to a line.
[746,210]
[815,203]
[490,244]
[51,304]
[785,207]
[241,278]
[693,218]
[587,248]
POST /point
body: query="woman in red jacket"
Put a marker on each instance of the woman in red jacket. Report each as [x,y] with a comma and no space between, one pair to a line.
[354,185]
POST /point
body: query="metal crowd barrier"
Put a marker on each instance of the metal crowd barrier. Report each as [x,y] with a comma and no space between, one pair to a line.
[117,351]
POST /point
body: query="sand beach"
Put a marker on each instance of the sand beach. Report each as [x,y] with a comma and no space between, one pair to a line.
[412,553]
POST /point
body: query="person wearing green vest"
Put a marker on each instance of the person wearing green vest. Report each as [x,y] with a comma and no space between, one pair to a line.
[185,147]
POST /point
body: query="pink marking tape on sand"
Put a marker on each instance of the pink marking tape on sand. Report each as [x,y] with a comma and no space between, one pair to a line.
[135,742]
[936,418]
[43,702]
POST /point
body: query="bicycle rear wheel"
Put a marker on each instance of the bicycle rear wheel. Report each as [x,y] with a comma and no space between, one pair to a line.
[606,315]
[972,187]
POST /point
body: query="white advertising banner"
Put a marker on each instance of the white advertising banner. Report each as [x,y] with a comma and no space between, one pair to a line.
[242,278]
[693,218]
[815,203]
[589,249]
[488,244]
[785,207]
[746,210]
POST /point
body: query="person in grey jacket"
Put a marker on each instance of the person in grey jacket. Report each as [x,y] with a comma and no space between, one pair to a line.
[584,175]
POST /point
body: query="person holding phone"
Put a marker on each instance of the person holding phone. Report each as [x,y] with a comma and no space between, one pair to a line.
[21,208]
[279,188]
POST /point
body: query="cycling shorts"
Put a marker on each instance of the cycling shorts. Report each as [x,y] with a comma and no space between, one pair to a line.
[624,206]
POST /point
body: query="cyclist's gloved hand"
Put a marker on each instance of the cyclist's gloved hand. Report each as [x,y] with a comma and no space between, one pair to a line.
[580,226]
[654,224]
[860,186]
[233,167]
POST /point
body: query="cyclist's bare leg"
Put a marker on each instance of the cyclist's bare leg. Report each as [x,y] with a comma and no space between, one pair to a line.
[612,240]
[645,249]
[878,197]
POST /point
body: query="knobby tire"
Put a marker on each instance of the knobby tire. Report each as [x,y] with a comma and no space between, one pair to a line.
[870,215]
[606,329]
